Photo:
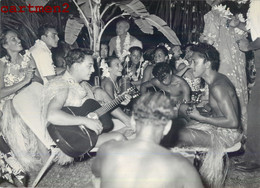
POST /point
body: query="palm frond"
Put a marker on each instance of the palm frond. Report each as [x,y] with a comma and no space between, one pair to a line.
[72,30]
[162,26]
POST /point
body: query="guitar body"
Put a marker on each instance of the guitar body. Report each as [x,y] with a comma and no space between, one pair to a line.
[75,140]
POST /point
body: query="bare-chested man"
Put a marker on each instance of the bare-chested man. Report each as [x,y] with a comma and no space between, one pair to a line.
[142,162]
[219,130]
[225,113]
[164,79]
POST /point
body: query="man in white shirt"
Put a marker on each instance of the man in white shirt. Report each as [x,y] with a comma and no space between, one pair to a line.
[41,51]
[121,43]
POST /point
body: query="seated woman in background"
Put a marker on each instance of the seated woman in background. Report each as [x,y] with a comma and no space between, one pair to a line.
[134,68]
[160,55]
[197,85]
[110,83]
[16,72]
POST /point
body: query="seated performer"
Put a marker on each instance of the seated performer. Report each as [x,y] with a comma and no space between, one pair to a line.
[123,41]
[164,79]
[222,128]
[141,162]
[72,90]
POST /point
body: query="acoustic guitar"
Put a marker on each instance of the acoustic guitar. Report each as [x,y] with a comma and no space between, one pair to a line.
[78,140]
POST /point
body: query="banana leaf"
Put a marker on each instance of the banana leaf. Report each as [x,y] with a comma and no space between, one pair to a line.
[85,7]
[162,26]
[135,8]
[72,30]
[144,26]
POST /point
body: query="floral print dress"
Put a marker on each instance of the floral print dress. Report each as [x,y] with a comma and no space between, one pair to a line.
[14,73]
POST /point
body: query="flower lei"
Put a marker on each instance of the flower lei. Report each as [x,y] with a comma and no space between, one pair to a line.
[223,10]
[126,47]
[104,67]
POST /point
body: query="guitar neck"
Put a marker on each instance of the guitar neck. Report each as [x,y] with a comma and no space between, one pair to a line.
[109,106]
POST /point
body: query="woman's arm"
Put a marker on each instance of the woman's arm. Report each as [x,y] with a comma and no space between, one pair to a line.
[108,86]
[8,90]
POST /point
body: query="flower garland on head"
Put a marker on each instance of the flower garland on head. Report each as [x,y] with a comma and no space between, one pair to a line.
[104,67]
[126,47]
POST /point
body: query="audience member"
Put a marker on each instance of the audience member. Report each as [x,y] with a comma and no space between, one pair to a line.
[41,51]
[134,68]
[123,41]
[151,165]
[160,55]
[16,72]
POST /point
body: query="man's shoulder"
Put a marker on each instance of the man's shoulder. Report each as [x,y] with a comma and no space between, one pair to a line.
[135,42]
[39,47]
[222,81]
[109,146]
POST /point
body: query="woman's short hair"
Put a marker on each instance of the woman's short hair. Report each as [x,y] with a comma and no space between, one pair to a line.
[77,55]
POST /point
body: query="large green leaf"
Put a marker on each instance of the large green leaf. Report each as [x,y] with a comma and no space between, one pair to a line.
[72,30]
[37,2]
[162,26]
[135,8]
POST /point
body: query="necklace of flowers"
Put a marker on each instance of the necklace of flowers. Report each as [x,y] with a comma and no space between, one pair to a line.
[122,53]
[115,85]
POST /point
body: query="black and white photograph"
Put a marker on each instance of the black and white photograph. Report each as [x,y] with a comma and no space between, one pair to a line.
[130,93]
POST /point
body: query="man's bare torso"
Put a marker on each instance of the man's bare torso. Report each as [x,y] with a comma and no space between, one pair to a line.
[142,164]
[228,88]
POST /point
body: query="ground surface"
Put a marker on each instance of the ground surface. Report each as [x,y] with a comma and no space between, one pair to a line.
[79,175]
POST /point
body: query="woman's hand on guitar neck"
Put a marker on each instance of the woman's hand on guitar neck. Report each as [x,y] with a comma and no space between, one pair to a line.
[94,125]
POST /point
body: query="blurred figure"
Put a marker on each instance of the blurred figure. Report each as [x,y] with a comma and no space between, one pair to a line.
[141,162]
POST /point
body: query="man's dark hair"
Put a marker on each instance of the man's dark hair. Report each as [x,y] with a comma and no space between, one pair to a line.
[160,71]
[135,48]
[208,52]
[42,30]
[77,55]
[154,107]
